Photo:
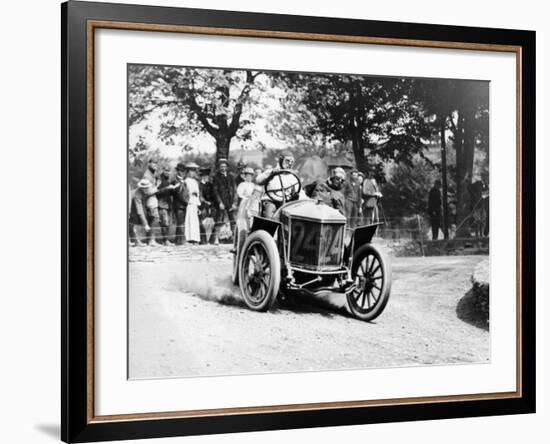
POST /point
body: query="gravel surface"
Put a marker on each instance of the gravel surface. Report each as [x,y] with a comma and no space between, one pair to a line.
[187,319]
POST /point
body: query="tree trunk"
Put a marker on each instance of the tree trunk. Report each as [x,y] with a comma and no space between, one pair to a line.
[444,177]
[458,142]
[357,129]
[464,174]
[222,147]
[358,147]
[469,143]
[359,154]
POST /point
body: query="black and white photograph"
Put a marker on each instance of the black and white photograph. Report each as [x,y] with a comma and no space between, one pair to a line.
[263,222]
[283,221]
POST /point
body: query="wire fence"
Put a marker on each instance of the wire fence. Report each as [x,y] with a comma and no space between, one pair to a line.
[416,227]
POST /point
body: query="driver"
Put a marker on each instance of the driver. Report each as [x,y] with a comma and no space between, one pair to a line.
[286,162]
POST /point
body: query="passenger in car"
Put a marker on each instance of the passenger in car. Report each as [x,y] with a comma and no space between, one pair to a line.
[331,191]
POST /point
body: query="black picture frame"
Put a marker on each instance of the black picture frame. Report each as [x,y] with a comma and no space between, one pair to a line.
[77,424]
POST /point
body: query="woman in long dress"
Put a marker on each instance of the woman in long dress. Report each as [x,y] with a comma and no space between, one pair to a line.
[192,223]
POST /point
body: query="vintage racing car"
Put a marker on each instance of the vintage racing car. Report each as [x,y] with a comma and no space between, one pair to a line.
[306,247]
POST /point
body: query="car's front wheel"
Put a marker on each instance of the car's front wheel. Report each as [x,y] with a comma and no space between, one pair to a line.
[371,271]
[259,271]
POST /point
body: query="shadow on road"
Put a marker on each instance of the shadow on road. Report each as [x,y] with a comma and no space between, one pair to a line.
[303,303]
[222,291]
[466,311]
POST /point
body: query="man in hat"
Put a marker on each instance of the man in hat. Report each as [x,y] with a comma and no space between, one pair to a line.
[434,208]
[485,179]
[285,162]
[207,208]
[225,197]
[371,196]
[180,198]
[142,214]
[331,191]
[478,193]
[360,180]
[149,174]
[240,175]
[352,193]
[152,201]
[164,196]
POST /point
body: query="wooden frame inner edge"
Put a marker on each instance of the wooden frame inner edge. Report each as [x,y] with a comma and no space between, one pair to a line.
[90,28]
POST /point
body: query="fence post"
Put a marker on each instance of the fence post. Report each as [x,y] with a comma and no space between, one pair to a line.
[421,234]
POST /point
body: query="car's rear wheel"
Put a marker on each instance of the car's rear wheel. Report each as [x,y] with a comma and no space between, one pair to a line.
[259,271]
[371,271]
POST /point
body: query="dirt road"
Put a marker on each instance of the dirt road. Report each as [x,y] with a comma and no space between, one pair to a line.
[187,319]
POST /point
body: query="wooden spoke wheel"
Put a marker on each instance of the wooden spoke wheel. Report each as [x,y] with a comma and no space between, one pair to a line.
[259,271]
[372,274]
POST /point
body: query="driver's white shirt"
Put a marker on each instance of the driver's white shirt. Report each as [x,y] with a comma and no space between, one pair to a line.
[262,177]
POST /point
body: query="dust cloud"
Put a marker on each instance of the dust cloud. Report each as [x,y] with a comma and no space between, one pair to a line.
[208,287]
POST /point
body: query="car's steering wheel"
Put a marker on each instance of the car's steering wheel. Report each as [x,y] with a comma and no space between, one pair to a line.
[282,186]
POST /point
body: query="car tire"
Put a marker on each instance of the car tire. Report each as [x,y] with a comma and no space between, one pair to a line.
[371,271]
[259,271]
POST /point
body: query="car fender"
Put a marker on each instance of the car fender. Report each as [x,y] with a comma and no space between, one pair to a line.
[261,223]
[363,235]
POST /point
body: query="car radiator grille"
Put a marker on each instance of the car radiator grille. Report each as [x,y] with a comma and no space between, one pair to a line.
[315,245]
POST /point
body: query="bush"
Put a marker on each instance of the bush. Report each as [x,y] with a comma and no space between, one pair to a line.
[406,190]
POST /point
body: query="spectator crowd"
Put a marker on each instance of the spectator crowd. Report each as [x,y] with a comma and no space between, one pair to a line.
[477,219]
[202,204]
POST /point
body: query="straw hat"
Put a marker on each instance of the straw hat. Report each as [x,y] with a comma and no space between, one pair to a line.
[144,184]
[191,166]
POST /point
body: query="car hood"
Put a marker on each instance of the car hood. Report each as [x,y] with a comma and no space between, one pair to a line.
[312,210]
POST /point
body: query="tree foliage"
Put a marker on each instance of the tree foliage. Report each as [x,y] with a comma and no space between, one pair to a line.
[220,102]
[379,116]
[460,107]
[387,124]
[406,191]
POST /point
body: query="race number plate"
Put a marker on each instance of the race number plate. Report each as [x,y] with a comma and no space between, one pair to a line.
[316,245]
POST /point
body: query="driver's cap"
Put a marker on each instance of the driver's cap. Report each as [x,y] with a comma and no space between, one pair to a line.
[339,172]
[286,155]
